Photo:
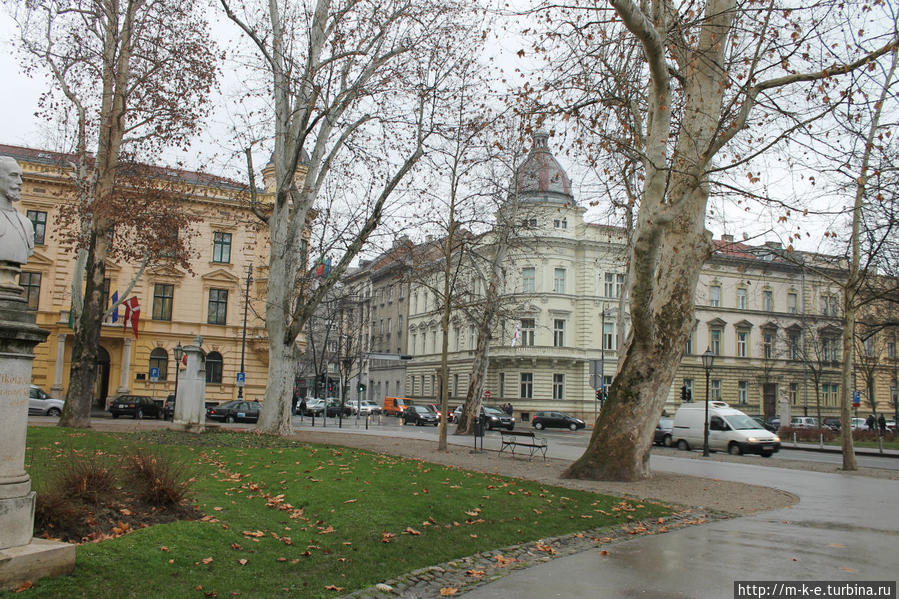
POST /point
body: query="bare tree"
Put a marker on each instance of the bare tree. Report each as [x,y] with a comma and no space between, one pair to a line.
[128,78]
[713,70]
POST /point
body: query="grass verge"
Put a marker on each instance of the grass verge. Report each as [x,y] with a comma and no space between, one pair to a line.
[296,520]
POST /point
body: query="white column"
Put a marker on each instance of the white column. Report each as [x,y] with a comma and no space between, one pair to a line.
[56,389]
[126,366]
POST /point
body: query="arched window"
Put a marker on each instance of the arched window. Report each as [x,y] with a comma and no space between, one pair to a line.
[214,367]
[159,358]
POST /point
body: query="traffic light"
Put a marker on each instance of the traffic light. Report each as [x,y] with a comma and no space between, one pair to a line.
[361,388]
[683,394]
[599,395]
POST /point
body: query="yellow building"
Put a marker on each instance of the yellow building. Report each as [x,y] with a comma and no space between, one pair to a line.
[175,305]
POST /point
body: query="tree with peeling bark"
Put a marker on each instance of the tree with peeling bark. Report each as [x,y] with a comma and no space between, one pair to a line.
[719,75]
[127,80]
[354,87]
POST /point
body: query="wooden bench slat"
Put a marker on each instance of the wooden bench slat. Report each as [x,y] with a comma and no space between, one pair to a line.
[513,439]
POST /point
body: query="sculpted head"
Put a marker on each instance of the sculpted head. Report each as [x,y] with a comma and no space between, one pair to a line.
[10,182]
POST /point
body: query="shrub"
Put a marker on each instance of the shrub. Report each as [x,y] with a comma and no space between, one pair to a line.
[79,479]
[156,478]
[805,435]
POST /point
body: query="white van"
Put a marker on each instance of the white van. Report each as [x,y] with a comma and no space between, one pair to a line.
[729,430]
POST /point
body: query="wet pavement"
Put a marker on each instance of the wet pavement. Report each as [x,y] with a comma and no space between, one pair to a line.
[843,528]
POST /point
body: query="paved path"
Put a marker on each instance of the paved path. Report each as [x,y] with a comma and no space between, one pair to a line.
[843,528]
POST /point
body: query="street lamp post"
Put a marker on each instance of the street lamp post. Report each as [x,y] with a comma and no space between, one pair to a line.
[243,341]
[178,352]
[707,359]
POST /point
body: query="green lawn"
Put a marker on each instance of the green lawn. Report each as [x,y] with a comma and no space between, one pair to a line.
[305,517]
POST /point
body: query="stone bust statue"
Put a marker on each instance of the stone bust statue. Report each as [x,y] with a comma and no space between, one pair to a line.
[16,231]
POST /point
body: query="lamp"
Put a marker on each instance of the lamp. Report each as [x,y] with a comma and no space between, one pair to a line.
[708,358]
[178,352]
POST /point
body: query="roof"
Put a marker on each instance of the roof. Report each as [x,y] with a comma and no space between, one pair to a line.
[541,177]
[62,159]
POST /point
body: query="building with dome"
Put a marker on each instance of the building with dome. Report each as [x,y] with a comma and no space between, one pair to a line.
[771,321]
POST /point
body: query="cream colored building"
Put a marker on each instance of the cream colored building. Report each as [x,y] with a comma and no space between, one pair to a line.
[175,305]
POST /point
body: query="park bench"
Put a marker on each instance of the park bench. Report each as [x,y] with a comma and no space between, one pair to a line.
[513,439]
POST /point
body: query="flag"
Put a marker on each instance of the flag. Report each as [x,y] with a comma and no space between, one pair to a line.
[115,311]
[183,364]
[517,334]
[132,314]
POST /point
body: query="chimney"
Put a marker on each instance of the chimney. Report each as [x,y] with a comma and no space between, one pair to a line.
[727,238]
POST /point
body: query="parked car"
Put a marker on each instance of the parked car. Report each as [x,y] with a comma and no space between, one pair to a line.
[420,416]
[543,420]
[364,407]
[454,415]
[663,432]
[41,404]
[833,422]
[395,405]
[334,408]
[772,424]
[434,408]
[496,418]
[136,406]
[804,422]
[234,411]
[858,424]
[315,406]
[168,408]
[766,424]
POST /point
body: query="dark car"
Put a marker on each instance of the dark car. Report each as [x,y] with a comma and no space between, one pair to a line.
[420,416]
[833,422]
[496,418]
[136,406]
[766,424]
[543,420]
[663,432]
[772,424]
[234,411]
[168,408]
[334,408]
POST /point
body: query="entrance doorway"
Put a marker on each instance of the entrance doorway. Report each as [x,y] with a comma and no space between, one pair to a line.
[769,392]
[101,385]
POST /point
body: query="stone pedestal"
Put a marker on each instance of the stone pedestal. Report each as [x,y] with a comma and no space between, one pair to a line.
[18,336]
[190,402]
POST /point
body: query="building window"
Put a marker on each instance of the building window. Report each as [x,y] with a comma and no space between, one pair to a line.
[221,247]
[715,341]
[218,307]
[742,339]
[559,332]
[688,349]
[829,305]
[608,335]
[891,350]
[528,329]
[529,223]
[794,393]
[31,283]
[159,358]
[214,367]
[768,344]
[741,299]
[415,302]
[399,324]
[794,346]
[457,335]
[456,385]
[527,385]
[560,223]
[829,391]
[869,346]
[768,301]
[715,390]
[792,305]
[502,384]
[529,280]
[559,280]
[162,301]
[829,350]
[715,296]
[433,342]
[614,284]
[390,294]
[39,220]
[743,392]
[558,386]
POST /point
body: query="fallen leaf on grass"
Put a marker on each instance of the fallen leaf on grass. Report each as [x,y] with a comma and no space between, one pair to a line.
[125,511]
[411,531]
[475,573]
[24,586]
[256,534]
[351,501]
[386,537]
[281,559]
[164,548]
[236,547]
[326,531]
[545,548]
[207,560]
[331,587]
[243,562]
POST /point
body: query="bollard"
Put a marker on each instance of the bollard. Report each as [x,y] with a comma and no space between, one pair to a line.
[820,440]
[313,419]
[794,437]
[367,417]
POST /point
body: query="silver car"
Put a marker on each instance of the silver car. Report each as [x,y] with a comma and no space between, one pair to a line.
[41,404]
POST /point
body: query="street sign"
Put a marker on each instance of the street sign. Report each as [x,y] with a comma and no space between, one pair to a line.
[487,393]
[241,379]
[154,375]
[856,399]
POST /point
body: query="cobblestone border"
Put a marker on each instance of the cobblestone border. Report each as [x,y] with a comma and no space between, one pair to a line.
[470,572]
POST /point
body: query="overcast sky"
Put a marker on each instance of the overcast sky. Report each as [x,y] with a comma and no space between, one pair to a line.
[18,103]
